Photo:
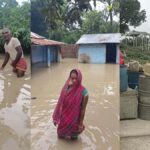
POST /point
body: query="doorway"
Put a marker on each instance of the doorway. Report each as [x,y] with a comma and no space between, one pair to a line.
[111,52]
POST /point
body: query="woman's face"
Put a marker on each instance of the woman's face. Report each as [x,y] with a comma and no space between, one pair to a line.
[73,78]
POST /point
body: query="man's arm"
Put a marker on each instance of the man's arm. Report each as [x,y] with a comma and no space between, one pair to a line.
[7,56]
[19,54]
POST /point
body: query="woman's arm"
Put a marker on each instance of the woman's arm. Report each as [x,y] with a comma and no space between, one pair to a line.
[83,108]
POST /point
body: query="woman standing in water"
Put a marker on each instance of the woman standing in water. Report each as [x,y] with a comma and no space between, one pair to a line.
[70,110]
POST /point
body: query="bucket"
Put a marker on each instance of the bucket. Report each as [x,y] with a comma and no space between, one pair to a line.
[133,79]
[123,78]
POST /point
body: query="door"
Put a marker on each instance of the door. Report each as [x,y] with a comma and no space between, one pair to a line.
[111,53]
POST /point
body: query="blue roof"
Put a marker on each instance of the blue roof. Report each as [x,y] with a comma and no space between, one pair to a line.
[99,38]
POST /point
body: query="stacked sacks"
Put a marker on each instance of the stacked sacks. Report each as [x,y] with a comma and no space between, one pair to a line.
[128,104]
[147,69]
[133,66]
[136,103]
[144,94]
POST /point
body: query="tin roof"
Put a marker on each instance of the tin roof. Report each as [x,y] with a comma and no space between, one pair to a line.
[99,38]
[40,40]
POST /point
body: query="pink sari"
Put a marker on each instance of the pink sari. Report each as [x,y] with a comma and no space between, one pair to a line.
[67,111]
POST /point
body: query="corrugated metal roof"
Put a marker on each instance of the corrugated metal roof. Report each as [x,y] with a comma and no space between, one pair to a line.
[40,40]
[99,38]
[45,42]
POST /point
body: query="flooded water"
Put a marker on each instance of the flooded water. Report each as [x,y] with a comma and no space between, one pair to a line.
[15,98]
[102,113]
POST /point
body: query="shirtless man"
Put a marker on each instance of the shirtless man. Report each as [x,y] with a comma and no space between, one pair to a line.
[13,51]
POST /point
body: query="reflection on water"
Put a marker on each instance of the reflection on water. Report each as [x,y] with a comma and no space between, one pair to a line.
[102,115]
[15,98]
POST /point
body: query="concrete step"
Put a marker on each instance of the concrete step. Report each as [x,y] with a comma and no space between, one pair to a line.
[134,128]
[135,143]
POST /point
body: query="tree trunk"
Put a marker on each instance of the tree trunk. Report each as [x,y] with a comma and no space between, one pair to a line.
[111,20]
[111,16]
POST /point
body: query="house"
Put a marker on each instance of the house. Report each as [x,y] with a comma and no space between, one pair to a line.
[99,48]
[44,50]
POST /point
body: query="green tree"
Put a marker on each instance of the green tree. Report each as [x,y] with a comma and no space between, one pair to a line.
[8,3]
[130,14]
[83,5]
[38,24]
[52,11]
[5,6]
[111,10]
[94,22]
[17,18]
[71,19]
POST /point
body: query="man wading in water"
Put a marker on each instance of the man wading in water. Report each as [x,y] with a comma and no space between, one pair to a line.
[13,50]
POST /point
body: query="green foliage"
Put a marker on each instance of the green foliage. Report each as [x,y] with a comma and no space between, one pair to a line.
[8,3]
[133,53]
[52,11]
[24,36]
[71,19]
[130,14]
[83,5]
[17,18]
[94,22]
[38,24]
[66,36]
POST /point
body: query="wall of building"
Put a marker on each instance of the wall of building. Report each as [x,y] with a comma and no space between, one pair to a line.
[38,54]
[69,50]
[92,53]
[54,54]
[45,54]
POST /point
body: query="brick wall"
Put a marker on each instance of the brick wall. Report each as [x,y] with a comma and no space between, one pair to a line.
[69,51]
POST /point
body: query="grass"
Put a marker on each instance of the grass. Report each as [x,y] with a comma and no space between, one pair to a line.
[133,53]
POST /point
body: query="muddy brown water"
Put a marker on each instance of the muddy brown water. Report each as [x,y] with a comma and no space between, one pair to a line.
[102,113]
[15,95]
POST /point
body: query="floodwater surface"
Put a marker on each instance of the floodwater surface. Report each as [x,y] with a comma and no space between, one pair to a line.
[102,113]
[15,97]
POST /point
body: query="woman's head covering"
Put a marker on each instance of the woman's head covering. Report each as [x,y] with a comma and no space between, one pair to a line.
[79,76]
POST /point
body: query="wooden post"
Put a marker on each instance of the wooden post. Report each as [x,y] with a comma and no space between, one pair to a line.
[142,44]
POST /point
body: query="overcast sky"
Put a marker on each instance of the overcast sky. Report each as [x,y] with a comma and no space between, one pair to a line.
[20,1]
[145,26]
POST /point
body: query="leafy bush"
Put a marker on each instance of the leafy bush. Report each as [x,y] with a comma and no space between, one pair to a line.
[133,53]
